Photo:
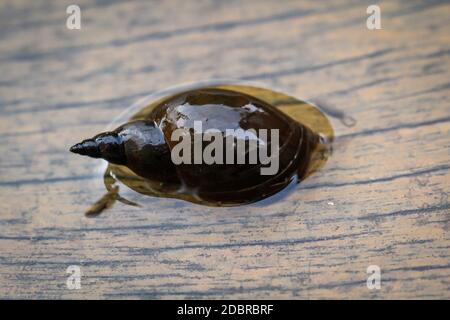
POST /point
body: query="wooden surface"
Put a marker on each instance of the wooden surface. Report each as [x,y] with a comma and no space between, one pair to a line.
[382,199]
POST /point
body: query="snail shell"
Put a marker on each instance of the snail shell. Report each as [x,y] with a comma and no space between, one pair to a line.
[145,145]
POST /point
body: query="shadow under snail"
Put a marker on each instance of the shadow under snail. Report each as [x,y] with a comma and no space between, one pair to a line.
[140,152]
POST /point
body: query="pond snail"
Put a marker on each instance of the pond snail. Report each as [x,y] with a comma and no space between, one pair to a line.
[141,151]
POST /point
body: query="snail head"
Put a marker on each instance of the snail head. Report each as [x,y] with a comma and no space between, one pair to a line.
[107,145]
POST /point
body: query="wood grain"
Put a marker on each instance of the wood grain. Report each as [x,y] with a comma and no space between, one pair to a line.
[382,199]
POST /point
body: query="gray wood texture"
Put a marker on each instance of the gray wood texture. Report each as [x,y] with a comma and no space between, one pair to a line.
[382,199]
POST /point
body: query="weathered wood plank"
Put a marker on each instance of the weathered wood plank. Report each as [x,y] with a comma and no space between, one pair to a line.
[382,199]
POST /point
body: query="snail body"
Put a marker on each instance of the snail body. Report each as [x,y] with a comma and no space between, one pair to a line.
[146,145]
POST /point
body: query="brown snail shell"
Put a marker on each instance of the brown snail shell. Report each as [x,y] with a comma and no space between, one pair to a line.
[144,145]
